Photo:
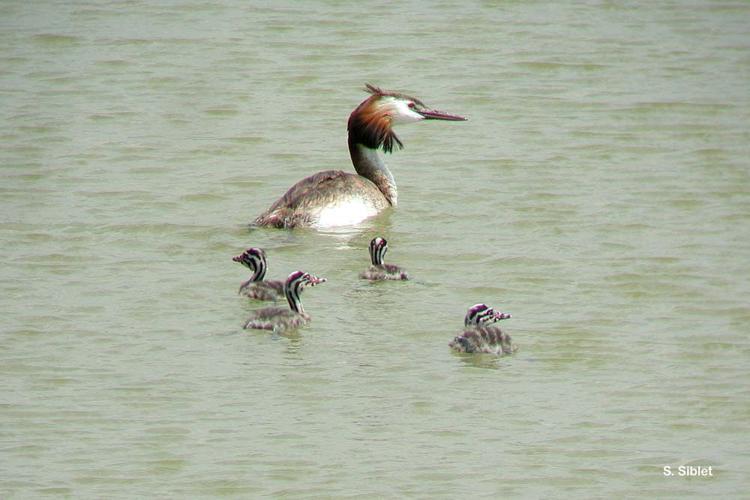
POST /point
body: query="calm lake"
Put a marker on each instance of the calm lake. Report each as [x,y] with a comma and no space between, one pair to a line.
[600,192]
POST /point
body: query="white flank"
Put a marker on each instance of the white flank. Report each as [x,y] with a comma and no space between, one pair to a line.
[345,213]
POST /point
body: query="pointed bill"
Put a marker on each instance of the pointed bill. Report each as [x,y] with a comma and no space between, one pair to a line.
[434,114]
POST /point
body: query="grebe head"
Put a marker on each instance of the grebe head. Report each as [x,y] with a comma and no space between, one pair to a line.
[303,279]
[480,314]
[255,260]
[378,248]
[371,123]
[294,285]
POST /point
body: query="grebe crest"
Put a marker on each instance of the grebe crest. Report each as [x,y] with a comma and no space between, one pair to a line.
[378,269]
[256,287]
[333,197]
[280,319]
[480,335]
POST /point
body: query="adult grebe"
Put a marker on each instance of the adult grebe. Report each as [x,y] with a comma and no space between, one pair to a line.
[479,336]
[256,287]
[280,319]
[337,198]
[379,270]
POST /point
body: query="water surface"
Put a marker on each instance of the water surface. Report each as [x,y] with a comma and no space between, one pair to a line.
[600,193]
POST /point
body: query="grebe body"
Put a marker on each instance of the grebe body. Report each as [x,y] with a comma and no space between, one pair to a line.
[379,270]
[327,199]
[480,336]
[257,287]
[279,319]
[337,198]
[264,290]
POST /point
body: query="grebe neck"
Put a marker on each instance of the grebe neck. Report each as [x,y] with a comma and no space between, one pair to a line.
[369,164]
[292,292]
[378,248]
[260,270]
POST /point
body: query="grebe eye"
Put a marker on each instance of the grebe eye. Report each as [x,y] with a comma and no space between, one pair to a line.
[411,104]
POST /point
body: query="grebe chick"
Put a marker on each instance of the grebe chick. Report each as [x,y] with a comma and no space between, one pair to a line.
[256,287]
[336,198]
[379,270]
[280,319]
[480,336]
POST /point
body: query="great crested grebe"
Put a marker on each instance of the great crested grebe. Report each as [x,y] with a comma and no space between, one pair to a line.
[480,336]
[256,287]
[379,270]
[337,198]
[280,319]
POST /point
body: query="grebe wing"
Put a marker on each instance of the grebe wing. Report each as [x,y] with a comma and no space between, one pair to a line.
[266,318]
[298,206]
[271,312]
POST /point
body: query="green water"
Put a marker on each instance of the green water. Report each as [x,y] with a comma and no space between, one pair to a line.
[600,192]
